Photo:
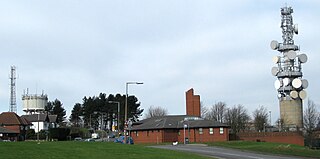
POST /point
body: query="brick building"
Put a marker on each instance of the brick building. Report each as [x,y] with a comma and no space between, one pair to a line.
[177,127]
[13,127]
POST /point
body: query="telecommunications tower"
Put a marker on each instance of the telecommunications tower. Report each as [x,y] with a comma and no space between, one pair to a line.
[289,84]
[13,103]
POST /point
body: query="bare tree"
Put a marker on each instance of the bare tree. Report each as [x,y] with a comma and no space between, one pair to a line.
[310,119]
[204,110]
[260,118]
[237,118]
[156,111]
[217,112]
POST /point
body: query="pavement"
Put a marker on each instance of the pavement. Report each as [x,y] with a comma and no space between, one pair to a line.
[223,153]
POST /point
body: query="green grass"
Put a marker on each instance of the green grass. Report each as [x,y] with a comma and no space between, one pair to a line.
[267,147]
[86,150]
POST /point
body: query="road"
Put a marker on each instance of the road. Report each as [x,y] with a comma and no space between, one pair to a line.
[223,153]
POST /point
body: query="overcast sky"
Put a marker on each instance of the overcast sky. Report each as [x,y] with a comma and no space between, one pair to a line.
[76,48]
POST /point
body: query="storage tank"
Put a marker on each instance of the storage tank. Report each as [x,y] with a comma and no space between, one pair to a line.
[34,102]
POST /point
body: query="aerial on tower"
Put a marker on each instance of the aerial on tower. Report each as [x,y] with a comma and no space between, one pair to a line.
[13,103]
[289,84]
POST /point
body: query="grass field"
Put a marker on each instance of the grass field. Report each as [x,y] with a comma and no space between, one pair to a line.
[267,147]
[86,150]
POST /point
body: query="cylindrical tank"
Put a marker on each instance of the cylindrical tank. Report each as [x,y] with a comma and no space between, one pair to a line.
[34,103]
[291,113]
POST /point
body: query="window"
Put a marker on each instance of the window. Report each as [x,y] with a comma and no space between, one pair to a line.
[147,132]
[221,130]
[200,131]
[210,131]
[136,132]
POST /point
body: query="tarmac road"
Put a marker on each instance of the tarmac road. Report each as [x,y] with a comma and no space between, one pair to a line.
[223,153]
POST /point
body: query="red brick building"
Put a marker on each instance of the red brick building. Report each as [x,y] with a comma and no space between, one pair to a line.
[176,127]
[13,127]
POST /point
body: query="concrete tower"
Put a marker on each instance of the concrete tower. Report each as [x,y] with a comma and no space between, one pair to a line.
[289,84]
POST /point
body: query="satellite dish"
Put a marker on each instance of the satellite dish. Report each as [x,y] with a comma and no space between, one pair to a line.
[296,83]
[274,71]
[275,59]
[286,81]
[279,95]
[303,94]
[294,94]
[274,45]
[295,28]
[277,84]
[303,58]
[291,55]
[305,83]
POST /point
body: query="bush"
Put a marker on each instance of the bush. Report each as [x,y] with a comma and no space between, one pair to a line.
[30,134]
[61,134]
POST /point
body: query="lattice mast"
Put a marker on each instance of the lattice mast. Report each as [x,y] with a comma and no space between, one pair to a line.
[13,103]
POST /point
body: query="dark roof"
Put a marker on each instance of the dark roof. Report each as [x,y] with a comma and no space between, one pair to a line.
[10,118]
[6,131]
[25,121]
[53,118]
[175,122]
[36,117]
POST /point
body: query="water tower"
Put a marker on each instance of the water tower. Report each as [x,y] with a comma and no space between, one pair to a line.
[289,84]
[34,103]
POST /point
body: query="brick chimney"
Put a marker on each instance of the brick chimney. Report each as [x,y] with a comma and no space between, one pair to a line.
[192,103]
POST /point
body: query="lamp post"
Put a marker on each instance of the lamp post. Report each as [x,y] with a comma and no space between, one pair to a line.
[184,133]
[126,103]
[118,103]
[38,129]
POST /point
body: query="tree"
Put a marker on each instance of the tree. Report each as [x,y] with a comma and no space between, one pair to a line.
[156,111]
[237,118]
[49,108]
[204,111]
[99,108]
[310,119]
[75,114]
[217,112]
[59,111]
[260,118]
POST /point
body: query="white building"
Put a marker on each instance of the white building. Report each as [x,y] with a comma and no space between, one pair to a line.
[41,121]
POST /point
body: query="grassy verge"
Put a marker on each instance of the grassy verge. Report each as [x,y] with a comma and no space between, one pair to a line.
[273,148]
[90,150]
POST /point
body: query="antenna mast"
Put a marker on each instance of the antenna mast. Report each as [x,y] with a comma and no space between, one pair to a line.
[289,84]
[13,103]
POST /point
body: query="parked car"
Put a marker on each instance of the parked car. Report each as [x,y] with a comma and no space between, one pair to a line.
[111,135]
[90,140]
[78,139]
[121,139]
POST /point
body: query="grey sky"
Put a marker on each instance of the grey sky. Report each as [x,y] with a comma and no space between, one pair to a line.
[71,49]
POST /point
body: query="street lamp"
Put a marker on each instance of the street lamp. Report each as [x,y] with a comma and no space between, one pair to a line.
[126,102]
[38,128]
[118,103]
[184,133]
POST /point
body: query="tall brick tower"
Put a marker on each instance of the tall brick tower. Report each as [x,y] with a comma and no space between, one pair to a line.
[192,103]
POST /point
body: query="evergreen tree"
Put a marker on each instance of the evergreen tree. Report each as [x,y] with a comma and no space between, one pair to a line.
[76,112]
[59,111]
